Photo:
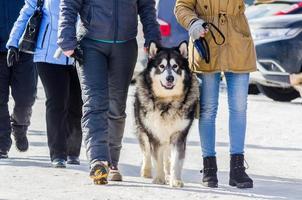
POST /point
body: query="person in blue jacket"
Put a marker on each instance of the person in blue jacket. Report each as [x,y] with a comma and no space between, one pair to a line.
[60,81]
[18,75]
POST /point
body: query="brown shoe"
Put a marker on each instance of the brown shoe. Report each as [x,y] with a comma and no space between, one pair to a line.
[114,174]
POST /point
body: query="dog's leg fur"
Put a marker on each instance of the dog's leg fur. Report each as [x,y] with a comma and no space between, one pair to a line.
[159,166]
[146,170]
[167,162]
[177,161]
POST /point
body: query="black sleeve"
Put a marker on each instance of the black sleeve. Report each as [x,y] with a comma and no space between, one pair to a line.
[69,10]
[147,13]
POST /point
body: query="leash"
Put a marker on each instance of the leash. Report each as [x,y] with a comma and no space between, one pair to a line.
[202,45]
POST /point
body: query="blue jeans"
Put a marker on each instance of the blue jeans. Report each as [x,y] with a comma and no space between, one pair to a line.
[237,88]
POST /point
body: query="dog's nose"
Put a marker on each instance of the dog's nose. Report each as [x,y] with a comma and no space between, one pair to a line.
[170,78]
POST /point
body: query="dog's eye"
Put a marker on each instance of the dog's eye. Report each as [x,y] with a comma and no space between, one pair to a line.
[175,66]
[162,66]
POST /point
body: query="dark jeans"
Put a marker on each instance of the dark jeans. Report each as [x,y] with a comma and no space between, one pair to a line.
[105,78]
[63,109]
[22,79]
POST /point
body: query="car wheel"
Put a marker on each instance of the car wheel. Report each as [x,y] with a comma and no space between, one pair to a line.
[279,94]
[253,89]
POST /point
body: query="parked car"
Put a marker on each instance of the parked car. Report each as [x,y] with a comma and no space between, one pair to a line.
[278,42]
[249,2]
[265,8]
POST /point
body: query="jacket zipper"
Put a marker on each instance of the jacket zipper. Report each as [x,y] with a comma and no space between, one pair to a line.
[115,20]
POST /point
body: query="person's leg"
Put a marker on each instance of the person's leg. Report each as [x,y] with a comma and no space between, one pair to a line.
[209,94]
[74,137]
[93,76]
[55,80]
[238,85]
[121,66]
[5,127]
[24,91]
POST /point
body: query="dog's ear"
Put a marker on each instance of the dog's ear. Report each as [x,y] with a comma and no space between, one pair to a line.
[183,49]
[153,49]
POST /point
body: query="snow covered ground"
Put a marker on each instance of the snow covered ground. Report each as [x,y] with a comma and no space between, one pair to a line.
[273,152]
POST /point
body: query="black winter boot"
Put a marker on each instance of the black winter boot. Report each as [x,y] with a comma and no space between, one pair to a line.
[21,141]
[238,177]
[209,171]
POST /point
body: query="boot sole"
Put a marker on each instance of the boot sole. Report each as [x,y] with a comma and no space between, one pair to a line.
[240,185]
[98,175]
[210,184]
[59,166]
[73,162]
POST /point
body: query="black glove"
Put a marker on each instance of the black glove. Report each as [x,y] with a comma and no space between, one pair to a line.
[12,56]
[78,55]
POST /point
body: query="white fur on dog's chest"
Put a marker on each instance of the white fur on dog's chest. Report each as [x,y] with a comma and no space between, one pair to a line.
[164,127]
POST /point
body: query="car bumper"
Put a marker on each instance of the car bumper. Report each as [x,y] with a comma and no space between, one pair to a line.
[270,78]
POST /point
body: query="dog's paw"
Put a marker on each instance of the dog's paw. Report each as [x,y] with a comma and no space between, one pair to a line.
[146,173]
[168,179]
[176,183]
[159,181]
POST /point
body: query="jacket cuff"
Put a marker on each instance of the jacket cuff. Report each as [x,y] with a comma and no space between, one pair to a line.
[12,43]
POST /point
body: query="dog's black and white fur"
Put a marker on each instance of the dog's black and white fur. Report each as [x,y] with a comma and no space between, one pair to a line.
[165,102]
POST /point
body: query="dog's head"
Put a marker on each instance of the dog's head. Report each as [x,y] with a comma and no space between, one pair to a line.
[167,71]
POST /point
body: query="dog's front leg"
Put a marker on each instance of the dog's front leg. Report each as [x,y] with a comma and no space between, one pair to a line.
[146,170]
[177,160]
[159,166]
[167,162]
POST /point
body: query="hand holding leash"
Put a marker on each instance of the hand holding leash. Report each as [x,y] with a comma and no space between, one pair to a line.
[198,29]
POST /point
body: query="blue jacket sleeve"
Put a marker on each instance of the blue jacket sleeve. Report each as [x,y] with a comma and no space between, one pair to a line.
[147,13]
[20,25]
[69,10]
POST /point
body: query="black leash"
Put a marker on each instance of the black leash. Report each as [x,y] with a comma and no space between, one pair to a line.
[202,45]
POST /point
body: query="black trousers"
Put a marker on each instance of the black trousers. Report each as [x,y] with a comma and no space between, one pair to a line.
[22,80]
[105,78]
[63,109]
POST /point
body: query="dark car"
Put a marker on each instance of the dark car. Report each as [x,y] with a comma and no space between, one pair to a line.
[278,42]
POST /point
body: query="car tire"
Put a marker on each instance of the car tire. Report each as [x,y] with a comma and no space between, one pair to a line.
[279,94]
[253,89]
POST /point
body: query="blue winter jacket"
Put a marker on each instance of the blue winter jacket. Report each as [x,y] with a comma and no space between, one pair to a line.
[47,39]
[9,11]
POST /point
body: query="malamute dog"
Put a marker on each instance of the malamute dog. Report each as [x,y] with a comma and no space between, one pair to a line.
[165,103]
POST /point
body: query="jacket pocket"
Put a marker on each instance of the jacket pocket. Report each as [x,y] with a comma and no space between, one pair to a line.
[240,27]
[42,45]
[42,36]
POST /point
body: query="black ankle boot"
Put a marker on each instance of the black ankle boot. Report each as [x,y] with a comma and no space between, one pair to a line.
[238,176]
[209,171]
[21,141]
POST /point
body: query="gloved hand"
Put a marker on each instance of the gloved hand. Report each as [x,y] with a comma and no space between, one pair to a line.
[12,56]
[197,29]
[78,55]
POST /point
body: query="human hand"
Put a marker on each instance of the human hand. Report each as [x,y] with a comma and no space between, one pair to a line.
[68,53]
[12,56]
[197,29]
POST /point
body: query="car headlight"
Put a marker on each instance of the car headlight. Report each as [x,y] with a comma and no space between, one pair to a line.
[273,34]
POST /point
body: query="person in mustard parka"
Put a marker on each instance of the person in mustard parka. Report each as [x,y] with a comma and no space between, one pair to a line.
[223,26]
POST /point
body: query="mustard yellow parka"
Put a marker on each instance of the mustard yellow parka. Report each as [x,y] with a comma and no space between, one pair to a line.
[237,54]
